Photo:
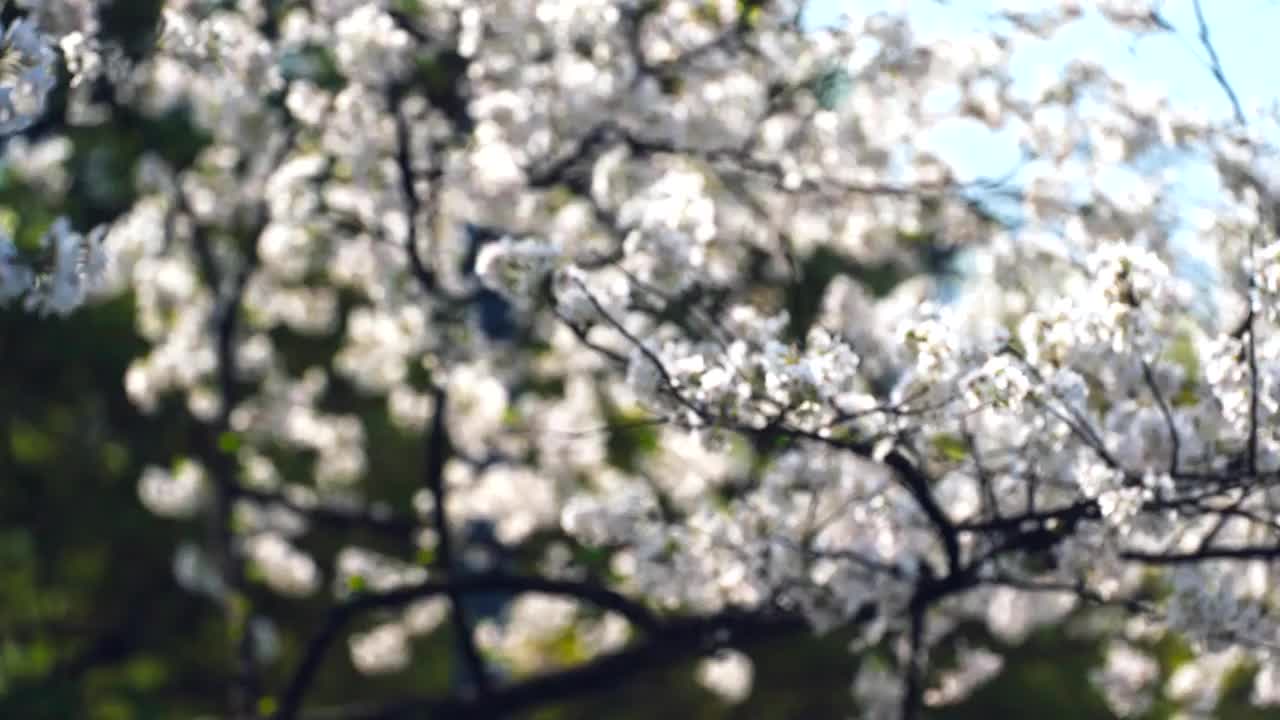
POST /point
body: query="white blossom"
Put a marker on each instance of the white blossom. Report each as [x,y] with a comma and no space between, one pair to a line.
[384,649]
[27,75]
[284,568]
[515,267]
[728,673]
[180,492]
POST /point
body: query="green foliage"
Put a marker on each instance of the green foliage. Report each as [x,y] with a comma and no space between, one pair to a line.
[831,87]
[950,447]
[1049,672]
[315,64]
[750,12]
[632,435]
[229,442]
[815,273]
[134,24]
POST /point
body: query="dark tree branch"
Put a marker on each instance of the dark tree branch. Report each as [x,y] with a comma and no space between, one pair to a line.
[425,277]
[437,455]
[1253,371]
[679,640]
[224,325]
[913,680]
[228,288]
[458,587]
[1249,552]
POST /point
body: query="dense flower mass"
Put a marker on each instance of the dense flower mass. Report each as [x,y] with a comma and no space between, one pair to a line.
[669,291]
[27,75]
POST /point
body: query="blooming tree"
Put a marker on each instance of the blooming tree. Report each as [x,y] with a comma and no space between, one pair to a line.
[667,290]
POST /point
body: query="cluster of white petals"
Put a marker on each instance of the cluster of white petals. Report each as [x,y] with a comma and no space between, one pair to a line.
[384,649]
[284,568]
[67,269]
[177,493]
[728,674]
[28,73]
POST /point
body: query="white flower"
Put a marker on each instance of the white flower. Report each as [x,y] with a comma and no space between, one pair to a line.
[643,374]
[84,58]
[1120,506]
[1266,685]
[930,340]
[180,493]
[1136,15]
[1000,382]
[76,266]
[728,673]
[27,75]
[515,268]
[975,667]
[1094,477]
[579,292]
[15,277]
[358,568]
[196,572]
[384,649]
[1127,680]
[284,568]
[423,616]
[371,47]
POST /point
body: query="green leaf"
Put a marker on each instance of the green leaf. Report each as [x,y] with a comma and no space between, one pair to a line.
[229,442]
[30,446]
[1235,688]
[950,447]
[707,13]
[237,614]
[115,457]
[146,673]
[9,221]
[630,439]
[408,7]
[1187,395]
[267,705]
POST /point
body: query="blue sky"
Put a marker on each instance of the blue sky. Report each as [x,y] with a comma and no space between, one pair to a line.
[1246,34]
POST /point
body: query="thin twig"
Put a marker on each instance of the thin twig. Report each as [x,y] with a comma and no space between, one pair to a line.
[1215,64]
[1176,441]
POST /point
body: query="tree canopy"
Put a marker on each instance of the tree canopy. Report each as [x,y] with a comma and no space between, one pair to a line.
[586,358]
